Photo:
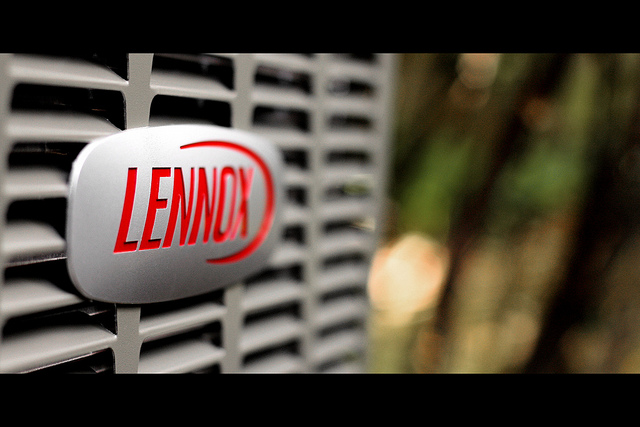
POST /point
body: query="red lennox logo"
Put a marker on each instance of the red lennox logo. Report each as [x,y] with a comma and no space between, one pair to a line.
[211,192]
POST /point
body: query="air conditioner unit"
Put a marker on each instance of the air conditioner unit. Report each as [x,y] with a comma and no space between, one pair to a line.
[306,311]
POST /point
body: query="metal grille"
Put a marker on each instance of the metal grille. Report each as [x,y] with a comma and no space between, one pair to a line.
[306,312]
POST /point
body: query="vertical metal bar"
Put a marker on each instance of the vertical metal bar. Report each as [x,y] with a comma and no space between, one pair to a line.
[5,147]
[241,109]
[138,96]
[127,347]
[319,133]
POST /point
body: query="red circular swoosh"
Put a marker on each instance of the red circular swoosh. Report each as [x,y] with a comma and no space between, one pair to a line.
[268,217]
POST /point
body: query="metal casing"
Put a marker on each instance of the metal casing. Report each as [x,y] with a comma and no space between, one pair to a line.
[305,311]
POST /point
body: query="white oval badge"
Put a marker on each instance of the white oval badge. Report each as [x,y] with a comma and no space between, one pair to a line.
[163,213]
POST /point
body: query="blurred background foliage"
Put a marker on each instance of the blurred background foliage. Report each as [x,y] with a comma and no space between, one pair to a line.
[512,236]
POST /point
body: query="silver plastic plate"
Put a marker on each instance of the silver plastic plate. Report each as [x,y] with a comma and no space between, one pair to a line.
[163,213]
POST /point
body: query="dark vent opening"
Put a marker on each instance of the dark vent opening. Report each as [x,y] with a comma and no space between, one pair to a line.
[215,369]
[346,260]
[284,79]
[336,363]
[101,362]
[281,118]
[50,211]
[210,333]
[344,87]
[349,122]
[330,365]
[288,273]
[347,325]
[356,292]
[185,109]
[290,348]
[116,62]
[54,271]
[296,158]
[359,57]
[350,157]
[210,66]
[106,104]
[51,154]
[89,313]
[294,234]
[350,190]
[345,226]
[288,309]
[297,196]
